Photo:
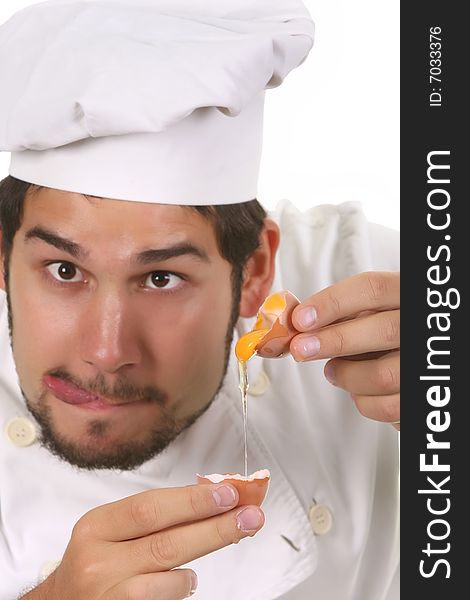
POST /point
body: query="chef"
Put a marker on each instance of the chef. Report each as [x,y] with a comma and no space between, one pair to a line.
[134,257]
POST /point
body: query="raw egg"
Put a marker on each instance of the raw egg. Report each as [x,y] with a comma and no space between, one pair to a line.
[251,489]
[273,330]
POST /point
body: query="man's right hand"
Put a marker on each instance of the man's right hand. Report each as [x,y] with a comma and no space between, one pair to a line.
[130,548]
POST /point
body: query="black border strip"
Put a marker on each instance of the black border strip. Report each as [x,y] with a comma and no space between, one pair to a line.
[434,124]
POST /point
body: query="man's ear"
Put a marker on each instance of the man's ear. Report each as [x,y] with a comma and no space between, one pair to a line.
[259,270]
[2,276]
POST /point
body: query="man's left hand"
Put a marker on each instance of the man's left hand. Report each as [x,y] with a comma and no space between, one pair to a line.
[356,323]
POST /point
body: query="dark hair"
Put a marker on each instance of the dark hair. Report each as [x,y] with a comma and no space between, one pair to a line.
[237,226]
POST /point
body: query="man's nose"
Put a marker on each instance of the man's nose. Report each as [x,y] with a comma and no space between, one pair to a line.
[109,341]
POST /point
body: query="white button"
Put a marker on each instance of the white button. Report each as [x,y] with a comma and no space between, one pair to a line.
[259,387]
[21,432]
[47,568]
[321,519]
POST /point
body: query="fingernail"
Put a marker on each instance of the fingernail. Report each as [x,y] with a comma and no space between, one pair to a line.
[249,519]
[193,583]
[306,317]
[224,496]
[308,347]
[330,373]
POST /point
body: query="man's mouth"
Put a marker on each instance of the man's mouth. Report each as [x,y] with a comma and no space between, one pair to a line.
[70,393]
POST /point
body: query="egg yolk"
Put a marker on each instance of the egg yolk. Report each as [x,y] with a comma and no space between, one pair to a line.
[246,345]
[272,307]
[274,304]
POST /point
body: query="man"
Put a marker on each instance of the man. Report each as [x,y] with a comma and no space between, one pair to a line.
[134,256]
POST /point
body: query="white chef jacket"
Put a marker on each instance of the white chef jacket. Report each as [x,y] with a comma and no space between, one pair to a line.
[331,529]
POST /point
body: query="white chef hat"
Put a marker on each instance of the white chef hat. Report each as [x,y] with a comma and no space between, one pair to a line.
[147,100]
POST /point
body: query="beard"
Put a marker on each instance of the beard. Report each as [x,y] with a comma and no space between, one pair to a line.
[129,455]
[123,456]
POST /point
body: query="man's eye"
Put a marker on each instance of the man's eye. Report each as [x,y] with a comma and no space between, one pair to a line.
[162,279]
[65,271]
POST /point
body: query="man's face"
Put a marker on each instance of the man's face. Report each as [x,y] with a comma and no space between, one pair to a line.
[121,314]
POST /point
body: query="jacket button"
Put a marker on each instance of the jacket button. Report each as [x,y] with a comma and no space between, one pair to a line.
[321,519]
[21,432]
[260,386]
[47,568]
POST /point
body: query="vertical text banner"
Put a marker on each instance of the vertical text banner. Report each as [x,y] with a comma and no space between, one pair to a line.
[435,438]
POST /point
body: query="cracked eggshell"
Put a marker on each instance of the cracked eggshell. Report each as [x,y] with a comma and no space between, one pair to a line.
[276,315]
[251,489]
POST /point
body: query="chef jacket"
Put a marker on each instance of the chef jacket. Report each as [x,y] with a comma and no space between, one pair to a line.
[331,530]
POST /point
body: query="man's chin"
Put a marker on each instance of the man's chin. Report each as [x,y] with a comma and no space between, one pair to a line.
[94,453]
[98,447]
[123,456]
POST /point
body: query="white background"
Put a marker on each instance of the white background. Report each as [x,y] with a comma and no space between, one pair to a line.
[332,129]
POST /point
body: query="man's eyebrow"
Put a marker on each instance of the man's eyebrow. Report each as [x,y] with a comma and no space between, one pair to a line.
[161,254]
[56,240]
[143,258]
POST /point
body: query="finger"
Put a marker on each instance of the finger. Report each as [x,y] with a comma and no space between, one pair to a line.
[376,377]
[379,408]
[179,545]
[372,291]
[367,355]
[377,332]
[151,511]
[169,585]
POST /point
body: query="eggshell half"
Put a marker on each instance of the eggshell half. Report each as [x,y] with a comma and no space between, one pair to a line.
[281,331]
[251,489]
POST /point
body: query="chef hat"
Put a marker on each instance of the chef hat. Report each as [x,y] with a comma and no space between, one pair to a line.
[147,100]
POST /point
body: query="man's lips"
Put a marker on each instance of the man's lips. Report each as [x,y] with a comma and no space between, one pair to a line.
[71,394]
